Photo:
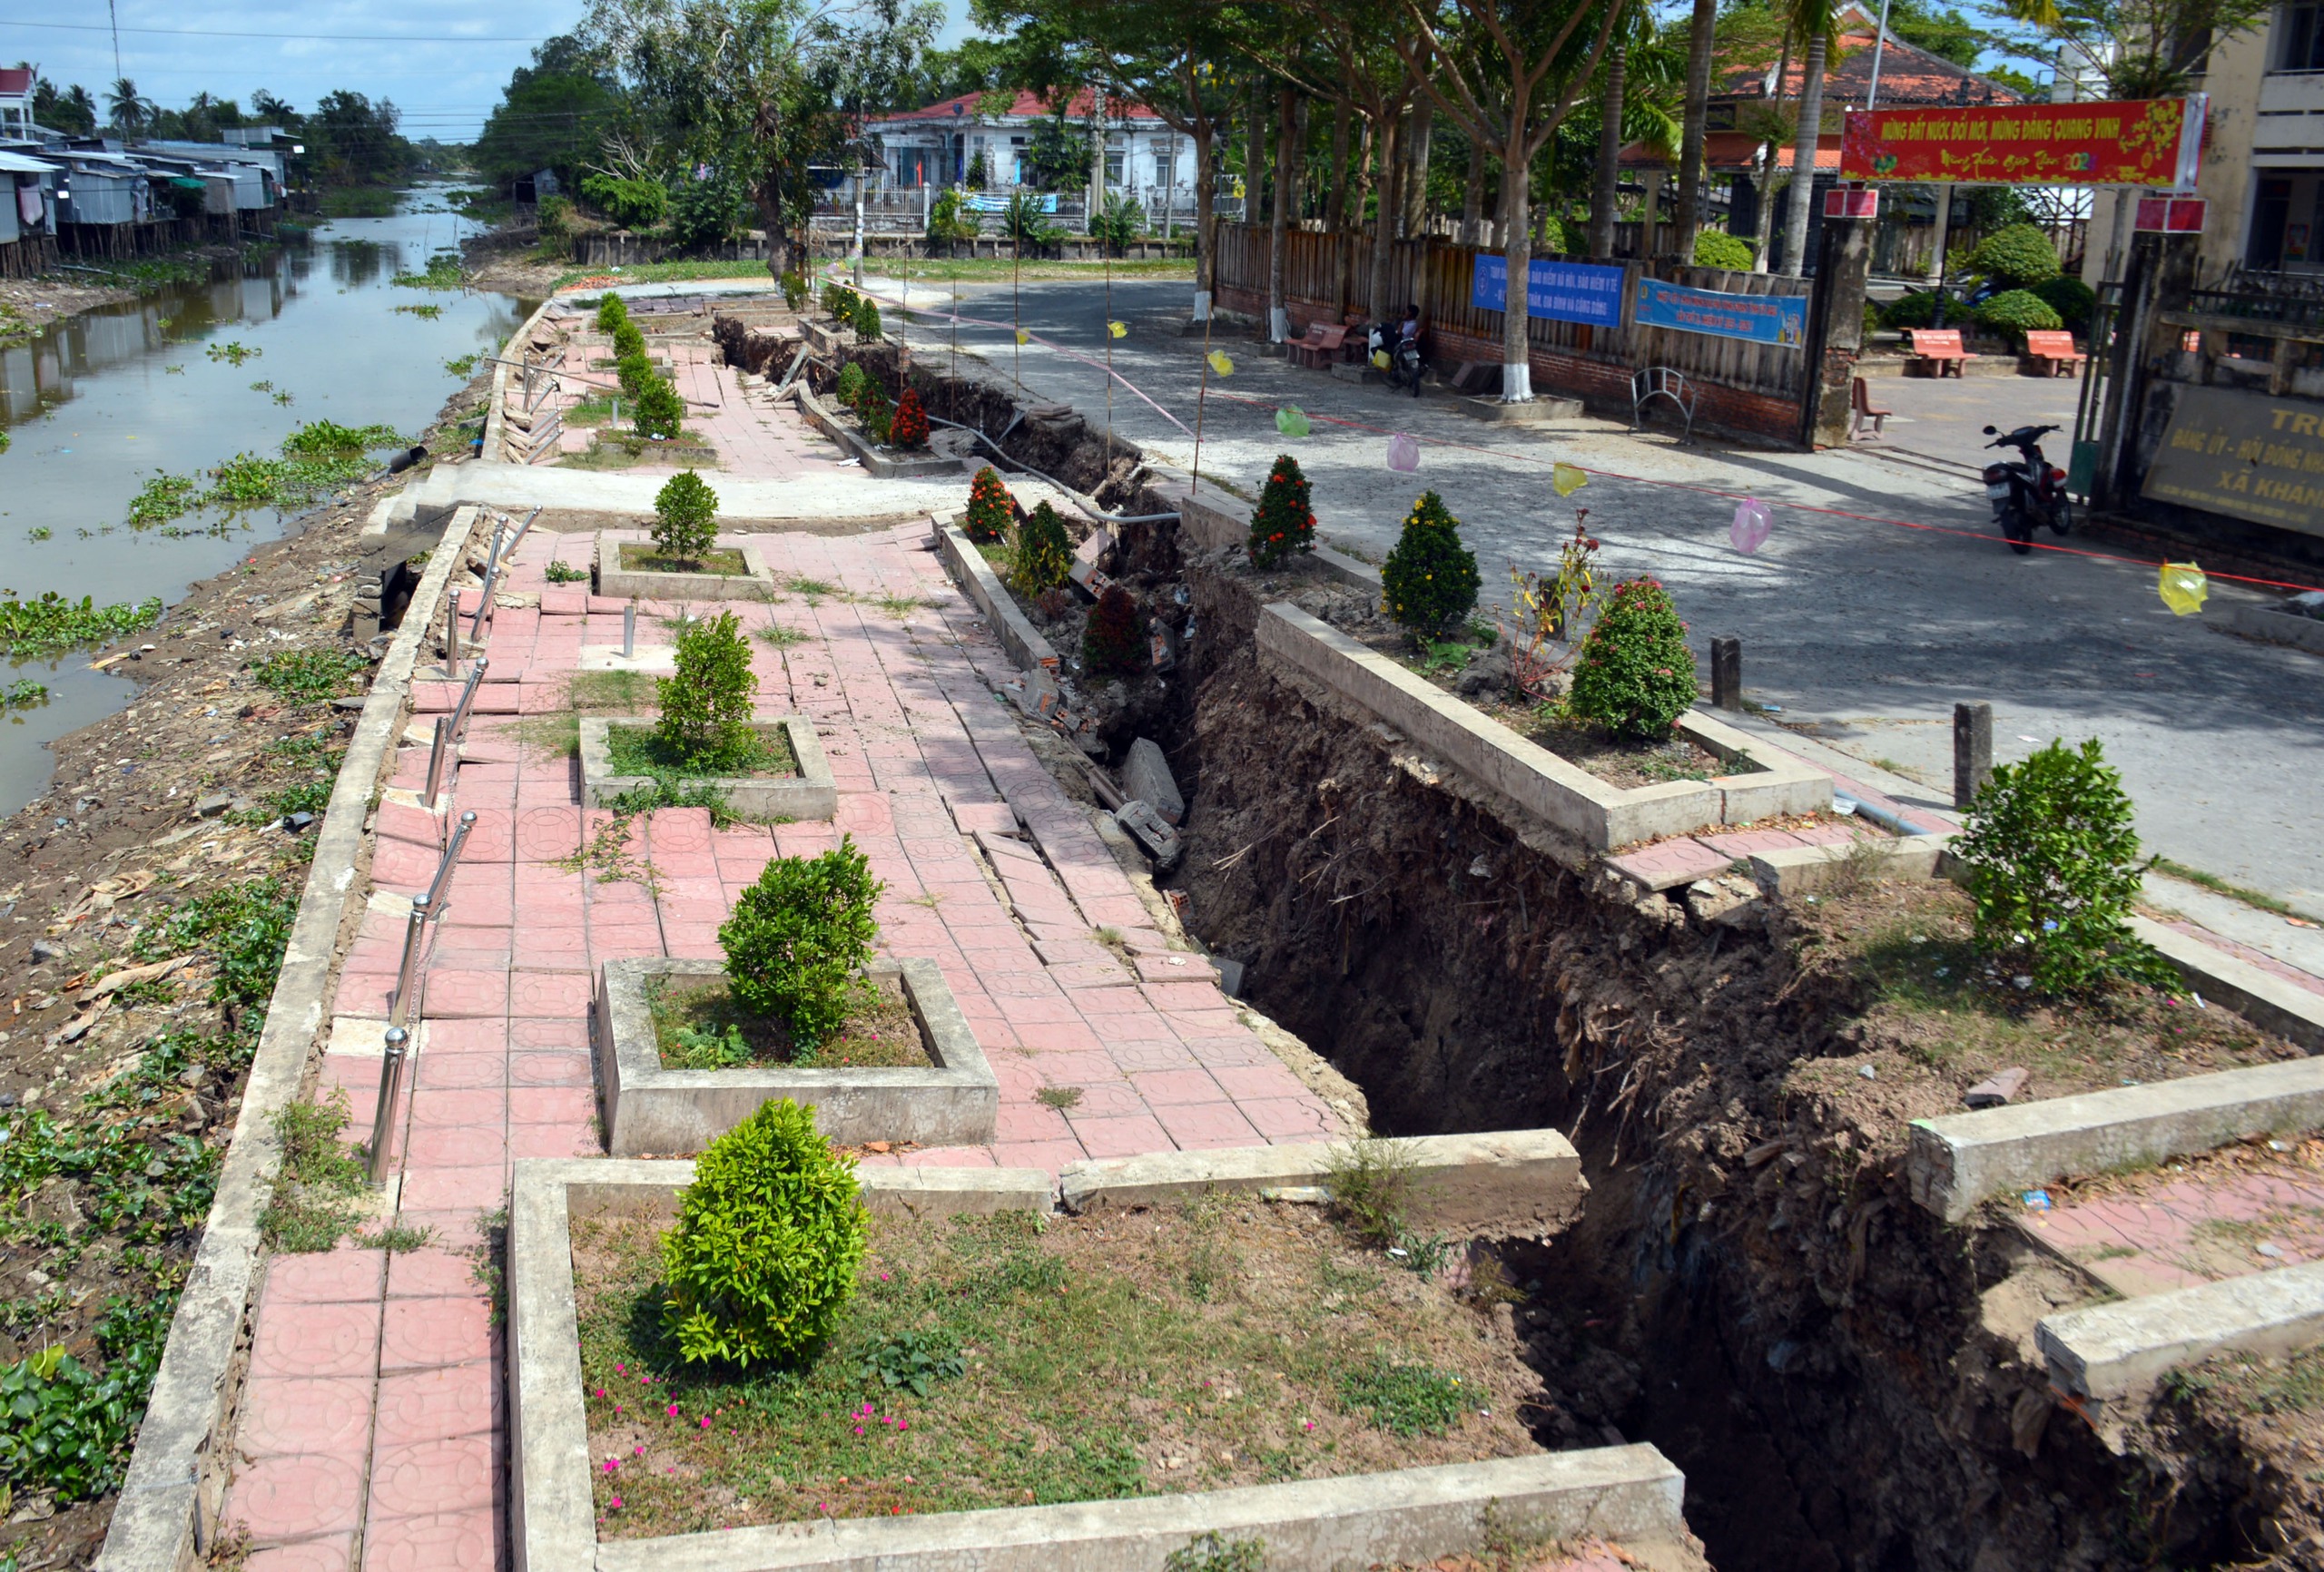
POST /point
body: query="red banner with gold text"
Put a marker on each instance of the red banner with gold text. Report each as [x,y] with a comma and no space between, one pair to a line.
[2138,142]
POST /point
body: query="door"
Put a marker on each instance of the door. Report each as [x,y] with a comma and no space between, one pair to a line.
[2269,209]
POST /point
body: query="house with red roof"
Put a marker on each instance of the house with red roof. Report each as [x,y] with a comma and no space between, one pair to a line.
[939,144]
[15,102]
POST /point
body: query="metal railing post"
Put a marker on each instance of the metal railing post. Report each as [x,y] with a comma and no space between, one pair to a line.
[452,635]
[436,905]
[467,697]
[483,610]
[629,630]
[408,971]
[383,1122]
[437,756]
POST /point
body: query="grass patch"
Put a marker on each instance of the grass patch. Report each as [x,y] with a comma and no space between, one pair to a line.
[781,635]
[900,606]
[640,751]
[814,591]
[2218,886]
[725,561]
[359,202]
[699,1024]
[308,676]
[625,692]
[308,1212]
[657,273]
[442,272]
[561,572]
[1172,1350]
[426,313]
[1059,1097]
[596,410]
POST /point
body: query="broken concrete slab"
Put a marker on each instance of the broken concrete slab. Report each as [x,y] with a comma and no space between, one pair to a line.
[1997,1089]
[1154,836]
[1146,775]
[2108,1353]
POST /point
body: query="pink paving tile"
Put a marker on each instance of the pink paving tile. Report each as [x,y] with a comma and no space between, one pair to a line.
[449,1189]
[454,994]
[423,1333]
[1670,862]
[296,1497]
[447,1071]
[1205,1124]
[1248,1082]
[1135,1056]
[527,1034]
[1028,1121]
[1183,996]
[316,1340]
[434,1405]
[1048,1156]
[485,1106]
[559,1140]
[333,1277]
[1119,1137]
[417,1479]
[1742,843]
[950,1157]
[429,1273]
[443,1542]
[549,1067]
[1194,1085]
[551,1104]
[329,1553]
[441,1146]
[450,1228]
[1289,1118]
[284,1416]
[1104,1099]
[549,994]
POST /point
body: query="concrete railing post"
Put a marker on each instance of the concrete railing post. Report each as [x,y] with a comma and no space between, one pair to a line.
[1972,751]
[1726,674]
[629,630]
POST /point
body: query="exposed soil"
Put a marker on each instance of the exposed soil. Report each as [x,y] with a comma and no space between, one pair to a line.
[643,559]
[28,305]
[880,1029]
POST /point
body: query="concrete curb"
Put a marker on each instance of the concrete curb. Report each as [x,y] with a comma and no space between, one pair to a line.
[1507,1183]
[2278,627]
[884,465]
[639,584]
[1957,1161]
[2112,1352]
[496,414]
[1565,795]
[2260,996]
[968,568]
[1346,1523]
[167,1511]
[652,1110]
[813,793]
[1800,870]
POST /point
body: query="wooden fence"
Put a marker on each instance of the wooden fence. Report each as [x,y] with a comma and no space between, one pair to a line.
[1745,386]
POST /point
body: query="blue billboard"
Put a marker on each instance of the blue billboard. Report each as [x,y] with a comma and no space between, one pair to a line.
[1761,318]
[1555,291]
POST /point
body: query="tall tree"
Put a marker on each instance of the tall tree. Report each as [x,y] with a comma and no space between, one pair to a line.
[557,113]
[130,108]
[1813,25]
[1703,37]
[1605,189]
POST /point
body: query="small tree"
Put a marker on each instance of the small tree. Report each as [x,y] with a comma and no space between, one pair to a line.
[2017,255]
[1282,523]
[706,701]
[769,1241]
[628,338]
[908,427]
[1113,643]
[799,937]
[635,373]
[685,518]
[992,510]
[866,318]
[612,313]
[876,411]
[1430,578]
[660,411]
[1044,551]
[851,383]
[794,289]
[2053,867]
[1636,674]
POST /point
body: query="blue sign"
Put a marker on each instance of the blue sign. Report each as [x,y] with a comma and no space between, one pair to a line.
[1761,318]
[1555,291]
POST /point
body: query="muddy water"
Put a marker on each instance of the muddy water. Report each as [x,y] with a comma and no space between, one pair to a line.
[98,403]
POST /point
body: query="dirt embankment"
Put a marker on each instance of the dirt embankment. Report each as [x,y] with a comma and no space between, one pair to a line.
[1846,1383]
[28,305]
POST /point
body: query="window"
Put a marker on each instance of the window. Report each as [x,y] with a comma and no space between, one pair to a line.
[1114,169]
[2299,38]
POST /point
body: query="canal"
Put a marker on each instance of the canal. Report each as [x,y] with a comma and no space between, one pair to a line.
[96,404]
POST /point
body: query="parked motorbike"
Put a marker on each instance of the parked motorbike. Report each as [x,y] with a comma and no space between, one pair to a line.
[1391,351]
[2028,492]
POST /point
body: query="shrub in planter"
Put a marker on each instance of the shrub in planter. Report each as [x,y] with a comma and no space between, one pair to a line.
[2070,299]
[1113,643]
[992,510]
[1282,523]
[839,301]
[2017,254]
[1044,552]
[798,939]
[635,373]
[660,411]
[908,428]
[876,411]
[768,1243]
[1430,579]
[794,289]
[852,384]
[866,318]
[1636,674]
[612,313]
[2052,867]
[1916,309]
[1714,250]
[706,702]
[685,518]
[628,339]
[2017,312]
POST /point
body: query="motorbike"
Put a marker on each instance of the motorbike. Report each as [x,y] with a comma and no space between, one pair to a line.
[2027,492]
[1391,351]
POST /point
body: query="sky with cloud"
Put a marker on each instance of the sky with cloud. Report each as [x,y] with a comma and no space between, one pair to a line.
[442,61]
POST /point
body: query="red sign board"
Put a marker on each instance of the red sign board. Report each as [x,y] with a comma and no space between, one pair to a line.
[2153,141]
[1852,203]
[2170,215]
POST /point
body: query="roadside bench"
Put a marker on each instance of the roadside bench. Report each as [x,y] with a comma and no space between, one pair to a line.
[2056,351]
[1937,352]
[1321,346]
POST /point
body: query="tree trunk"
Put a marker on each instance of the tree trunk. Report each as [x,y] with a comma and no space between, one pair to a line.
[1415,177]
[1256,125]
[1763,220]
[1206,221]
[1388,145]
[1336,183]
[1473,196]
[1359,186]
[1803,160]
[1517,245]
[1606,190]
[1700,37]
[1278,229]
[1097,161]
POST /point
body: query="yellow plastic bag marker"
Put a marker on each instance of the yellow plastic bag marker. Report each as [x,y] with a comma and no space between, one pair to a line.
[1569,478]
[2183,588]
[1118,329]
[1023,336]
[1221,364]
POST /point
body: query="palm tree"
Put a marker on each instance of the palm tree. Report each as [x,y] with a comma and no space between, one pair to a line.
[130,110]
[1813,23]
[1703,37]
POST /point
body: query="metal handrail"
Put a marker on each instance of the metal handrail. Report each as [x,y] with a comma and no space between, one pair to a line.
[438,755]
[467,697]
[383,1126]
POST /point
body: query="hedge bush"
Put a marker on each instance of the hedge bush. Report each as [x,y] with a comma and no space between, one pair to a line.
[2073,300]
[685,518]
[1044,552]
[705,702]
[660,411]
[1714,250]
[2019,254]
[866,318]
[635,373]
[908,425]
[992,510]
[852,381]
[1283,524]
[628,339]
[2018,311]
[1636,674]
[769,1239]
[1113,643]
[612,313]
[798,937]
[1430,578]
[633,204]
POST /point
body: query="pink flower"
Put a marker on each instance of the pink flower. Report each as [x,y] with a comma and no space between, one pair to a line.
[638,1453]
[601,1392]
[901,1426]
[612,1463]
[859,1429]
[616,1503]
[674,1410]
[705,1421]
[621,1369]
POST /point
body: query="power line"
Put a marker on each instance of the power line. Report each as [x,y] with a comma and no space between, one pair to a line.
[292,37]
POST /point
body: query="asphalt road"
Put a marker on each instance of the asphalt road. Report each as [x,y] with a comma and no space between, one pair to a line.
[1882,596]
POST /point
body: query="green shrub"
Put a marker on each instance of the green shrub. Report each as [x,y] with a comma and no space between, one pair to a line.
[612,313]
[1283,524]
[660,411]
[2053,867]
[769,1239]
[866,318]
[628,339]
[685,518]
[839,301]
[1208,1553]
[876,411]
[633,204]
[635,373]
[1714,250]
[952,220]
[992,510]
[852,381]
[908,428]
[794,289]
[1044,552]
[1430,578]
[2018,311]
[799,935]
[706,702]
[1112,643]
[1916,309]
[555,219]
[1117,222]
[707,213]
[2019,254]
[2073,300]
[1636,674]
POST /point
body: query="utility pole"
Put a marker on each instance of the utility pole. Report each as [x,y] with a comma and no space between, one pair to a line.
[112,9]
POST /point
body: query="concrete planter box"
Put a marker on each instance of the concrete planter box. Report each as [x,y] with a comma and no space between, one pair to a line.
[2278,627]
[810,794]
[1340,1525]
[968,569]
[618,582]
[649,1109]
[1601,815]
[886,463]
